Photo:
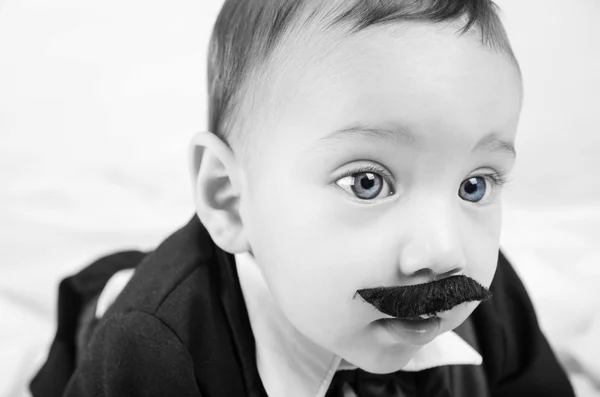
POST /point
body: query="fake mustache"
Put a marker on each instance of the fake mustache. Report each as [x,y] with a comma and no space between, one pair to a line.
[425,299]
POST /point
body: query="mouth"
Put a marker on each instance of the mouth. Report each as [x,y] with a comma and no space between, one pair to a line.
[418,330]
[422,317]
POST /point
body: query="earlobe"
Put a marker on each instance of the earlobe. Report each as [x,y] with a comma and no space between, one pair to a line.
[217,189]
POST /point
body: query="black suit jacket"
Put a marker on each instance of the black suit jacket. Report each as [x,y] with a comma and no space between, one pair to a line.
[180,328]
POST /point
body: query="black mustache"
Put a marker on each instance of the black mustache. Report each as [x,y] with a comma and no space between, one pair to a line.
[425,299]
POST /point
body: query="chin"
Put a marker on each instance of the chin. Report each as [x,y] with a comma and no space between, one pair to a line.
[384,369]
[386,361]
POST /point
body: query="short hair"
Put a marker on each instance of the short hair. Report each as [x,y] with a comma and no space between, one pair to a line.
[248,31]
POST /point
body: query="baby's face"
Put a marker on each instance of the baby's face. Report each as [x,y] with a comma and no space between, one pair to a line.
[380,167]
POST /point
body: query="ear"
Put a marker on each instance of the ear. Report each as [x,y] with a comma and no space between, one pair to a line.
[217,186]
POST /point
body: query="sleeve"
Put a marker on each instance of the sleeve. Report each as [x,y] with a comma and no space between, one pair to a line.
[134,354]
[75,293]
[517,357]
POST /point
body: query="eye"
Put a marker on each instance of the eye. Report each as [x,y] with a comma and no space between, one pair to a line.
[365,185]
[473,189]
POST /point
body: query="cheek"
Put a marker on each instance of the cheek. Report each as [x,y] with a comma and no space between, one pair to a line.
[482,239]
[302,252]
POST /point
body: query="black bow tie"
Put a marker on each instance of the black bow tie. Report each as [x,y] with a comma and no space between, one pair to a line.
[433,382]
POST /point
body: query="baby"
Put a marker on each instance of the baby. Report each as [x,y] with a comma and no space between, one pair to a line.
[348,200]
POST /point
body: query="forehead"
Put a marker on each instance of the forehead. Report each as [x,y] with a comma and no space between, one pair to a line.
[423,76]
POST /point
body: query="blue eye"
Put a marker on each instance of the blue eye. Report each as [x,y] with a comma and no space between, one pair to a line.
[365,185]
[473,189]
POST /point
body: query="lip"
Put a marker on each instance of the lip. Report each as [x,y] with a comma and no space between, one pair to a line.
[414,332]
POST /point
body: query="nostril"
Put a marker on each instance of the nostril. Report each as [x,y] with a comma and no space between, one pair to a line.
[448,273]
[425,273]
[431,274]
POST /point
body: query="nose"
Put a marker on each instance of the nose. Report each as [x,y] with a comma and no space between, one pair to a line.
[434,246]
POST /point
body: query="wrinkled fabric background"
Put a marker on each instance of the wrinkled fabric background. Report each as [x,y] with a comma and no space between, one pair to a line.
[99,98]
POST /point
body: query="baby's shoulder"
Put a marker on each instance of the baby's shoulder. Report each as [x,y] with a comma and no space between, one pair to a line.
[168,280]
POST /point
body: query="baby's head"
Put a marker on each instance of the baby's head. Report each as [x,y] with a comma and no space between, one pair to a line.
[357,144]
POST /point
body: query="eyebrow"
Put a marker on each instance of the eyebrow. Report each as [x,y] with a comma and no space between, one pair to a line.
[491,142]
[402,136]
[385,135]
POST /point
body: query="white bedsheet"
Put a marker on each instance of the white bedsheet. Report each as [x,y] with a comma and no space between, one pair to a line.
[99,98]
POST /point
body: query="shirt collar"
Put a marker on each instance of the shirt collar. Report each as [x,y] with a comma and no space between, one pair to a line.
[291,365]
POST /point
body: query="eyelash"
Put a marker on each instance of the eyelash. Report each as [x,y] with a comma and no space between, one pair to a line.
[368,168]
[498,178]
